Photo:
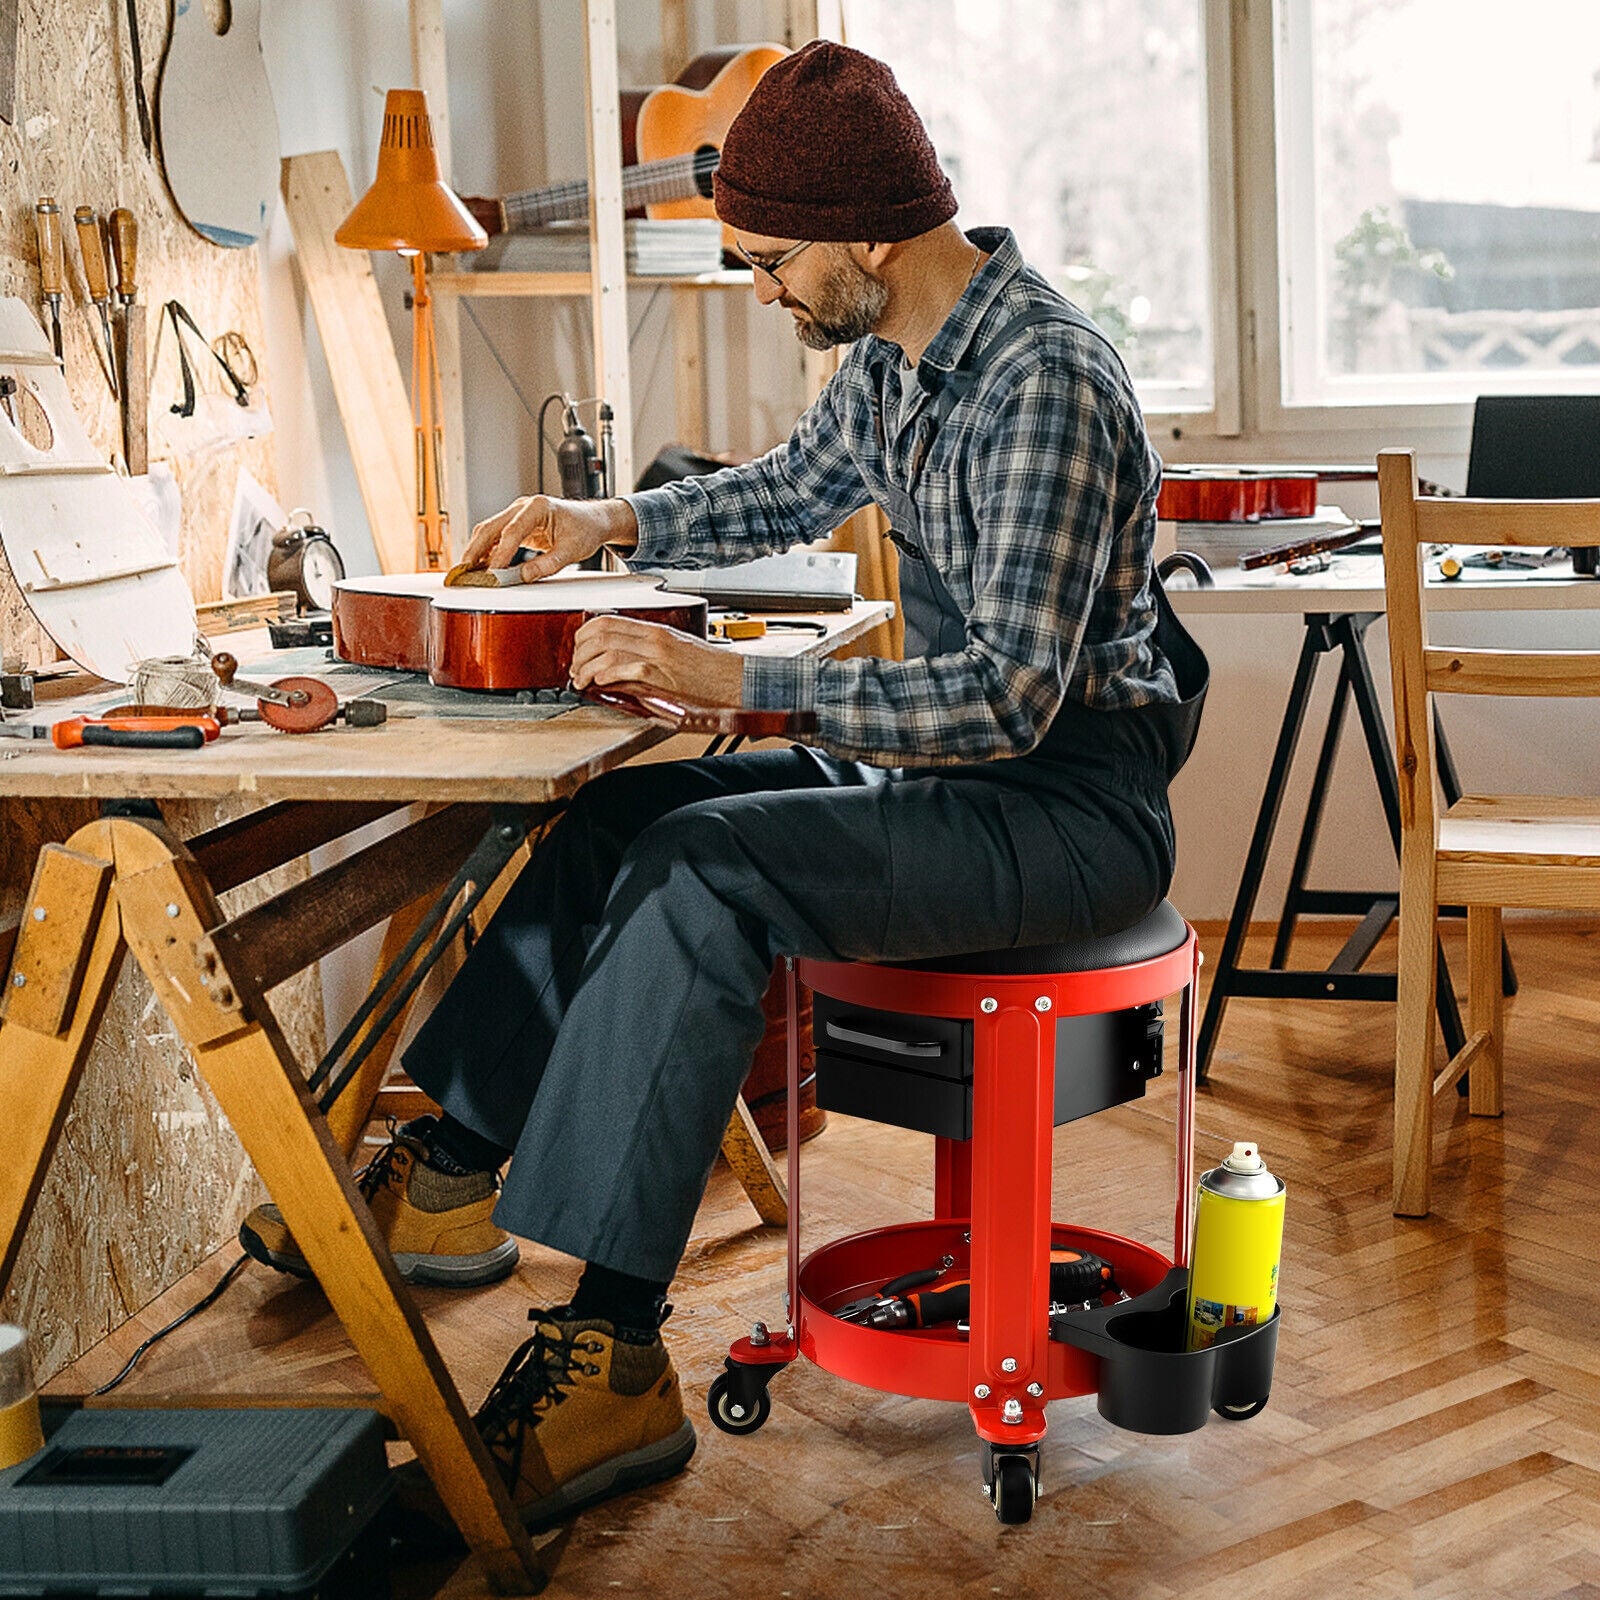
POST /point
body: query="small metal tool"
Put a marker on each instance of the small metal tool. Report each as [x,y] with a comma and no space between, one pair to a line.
[52,264]
[226,668]
[92,246]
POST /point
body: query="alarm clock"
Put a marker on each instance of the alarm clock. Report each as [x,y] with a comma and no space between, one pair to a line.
[305,563]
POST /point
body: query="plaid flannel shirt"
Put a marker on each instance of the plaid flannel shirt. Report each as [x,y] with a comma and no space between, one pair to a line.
[1036,502]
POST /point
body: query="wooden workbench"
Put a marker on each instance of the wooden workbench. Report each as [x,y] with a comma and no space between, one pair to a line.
[127,883]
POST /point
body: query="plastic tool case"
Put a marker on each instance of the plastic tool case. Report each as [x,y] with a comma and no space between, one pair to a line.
[240,1502]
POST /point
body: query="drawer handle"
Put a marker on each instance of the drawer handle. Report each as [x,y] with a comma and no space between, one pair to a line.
[895,1047]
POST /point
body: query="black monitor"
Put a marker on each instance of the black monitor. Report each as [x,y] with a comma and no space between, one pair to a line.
[1535,447]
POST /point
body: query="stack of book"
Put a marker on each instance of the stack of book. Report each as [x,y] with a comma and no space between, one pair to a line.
[676,247]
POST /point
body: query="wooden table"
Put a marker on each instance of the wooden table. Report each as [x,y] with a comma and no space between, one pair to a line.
[1337,608]
[126,882]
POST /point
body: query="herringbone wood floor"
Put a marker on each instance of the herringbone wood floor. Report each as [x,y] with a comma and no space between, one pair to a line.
[1434,1429]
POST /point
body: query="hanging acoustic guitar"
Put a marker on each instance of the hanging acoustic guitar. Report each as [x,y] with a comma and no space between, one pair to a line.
[671,143]
[216,123]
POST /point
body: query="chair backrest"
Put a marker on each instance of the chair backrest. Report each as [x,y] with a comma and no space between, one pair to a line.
[1411,523]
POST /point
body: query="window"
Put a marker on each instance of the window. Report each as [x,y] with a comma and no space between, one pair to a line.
[1439,183]
[1408,214]
[1080,125]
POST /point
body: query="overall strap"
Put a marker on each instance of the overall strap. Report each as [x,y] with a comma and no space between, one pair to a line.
[961,381]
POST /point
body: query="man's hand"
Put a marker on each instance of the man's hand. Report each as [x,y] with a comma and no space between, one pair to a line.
[563,531]
[628,656]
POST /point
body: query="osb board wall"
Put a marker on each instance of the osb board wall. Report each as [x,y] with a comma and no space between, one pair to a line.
[148,1178]
[75,136]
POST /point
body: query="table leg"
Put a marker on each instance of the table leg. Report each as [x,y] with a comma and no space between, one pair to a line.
[163,908]
[1312,825]
[1294,715]
[1353,636]
[42,1055]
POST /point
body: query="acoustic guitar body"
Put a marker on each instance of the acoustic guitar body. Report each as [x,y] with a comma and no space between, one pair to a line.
[517,638]
[216,122]
[697,111]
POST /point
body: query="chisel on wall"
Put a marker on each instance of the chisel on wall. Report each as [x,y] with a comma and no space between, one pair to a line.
[96,274]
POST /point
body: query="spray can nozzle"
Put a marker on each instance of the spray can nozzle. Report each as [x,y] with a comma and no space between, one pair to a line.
[1244,1157]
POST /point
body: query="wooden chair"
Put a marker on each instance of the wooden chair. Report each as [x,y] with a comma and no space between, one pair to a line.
[1483,852]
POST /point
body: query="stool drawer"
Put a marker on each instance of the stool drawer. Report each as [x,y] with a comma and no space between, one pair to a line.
[895,1095]
[939,1047]
[916,1072]
[1105,1060]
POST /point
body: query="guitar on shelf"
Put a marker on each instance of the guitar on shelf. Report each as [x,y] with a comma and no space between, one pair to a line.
[654,183]
[671,143]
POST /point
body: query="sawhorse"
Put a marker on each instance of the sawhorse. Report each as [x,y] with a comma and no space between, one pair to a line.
[126,883]
[1327,633]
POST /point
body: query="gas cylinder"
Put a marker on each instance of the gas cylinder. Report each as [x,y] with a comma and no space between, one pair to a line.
[1238,1242]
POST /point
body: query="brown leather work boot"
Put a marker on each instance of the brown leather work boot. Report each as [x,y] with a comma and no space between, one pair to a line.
[436,1224]
[580,1414]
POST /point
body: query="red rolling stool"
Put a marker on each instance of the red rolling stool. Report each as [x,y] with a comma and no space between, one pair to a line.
[991,1302]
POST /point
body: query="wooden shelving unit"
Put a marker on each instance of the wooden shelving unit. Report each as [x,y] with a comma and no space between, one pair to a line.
[607,283]
[558,285]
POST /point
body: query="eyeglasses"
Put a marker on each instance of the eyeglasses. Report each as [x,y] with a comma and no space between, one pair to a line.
[770,268]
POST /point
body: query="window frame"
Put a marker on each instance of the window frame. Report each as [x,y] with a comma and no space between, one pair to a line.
[1252,319]
[1246,70]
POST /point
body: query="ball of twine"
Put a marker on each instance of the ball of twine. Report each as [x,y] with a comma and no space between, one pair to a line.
[186,682]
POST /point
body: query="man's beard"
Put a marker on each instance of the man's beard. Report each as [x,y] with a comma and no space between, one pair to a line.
[847,306]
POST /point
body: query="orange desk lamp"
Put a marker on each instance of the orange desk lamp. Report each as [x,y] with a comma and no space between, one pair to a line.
[411,209]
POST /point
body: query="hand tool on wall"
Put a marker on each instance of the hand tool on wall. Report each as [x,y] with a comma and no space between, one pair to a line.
[9,18]
[139,100]
[52,265]
[92,245]
[131,351]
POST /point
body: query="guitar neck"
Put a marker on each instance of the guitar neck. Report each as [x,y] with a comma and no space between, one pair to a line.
[653,183]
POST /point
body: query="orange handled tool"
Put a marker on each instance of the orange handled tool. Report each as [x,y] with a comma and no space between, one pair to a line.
[135,733]
[125,253]
[92,245]
[1076,1276]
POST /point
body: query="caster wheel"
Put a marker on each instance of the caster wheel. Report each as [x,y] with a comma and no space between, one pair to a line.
[1241,1413]
[1014,1488]
[730,1414]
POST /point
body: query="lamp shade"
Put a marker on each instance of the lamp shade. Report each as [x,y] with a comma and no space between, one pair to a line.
[409,206]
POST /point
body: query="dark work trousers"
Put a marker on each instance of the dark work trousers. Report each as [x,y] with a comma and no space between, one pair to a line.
[603,1024]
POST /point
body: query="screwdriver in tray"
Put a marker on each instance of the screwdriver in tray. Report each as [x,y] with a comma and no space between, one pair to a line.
[126,733]
[1076,1276]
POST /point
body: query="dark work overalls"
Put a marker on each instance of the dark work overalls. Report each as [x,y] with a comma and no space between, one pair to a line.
[604,1022]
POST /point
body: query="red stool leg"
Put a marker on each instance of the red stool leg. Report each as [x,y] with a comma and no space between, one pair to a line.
[1184,1206]
[1012,1123]
[952,1177]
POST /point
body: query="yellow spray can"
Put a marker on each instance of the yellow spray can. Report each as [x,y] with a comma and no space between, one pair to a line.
[1238,1242]
[20,1434]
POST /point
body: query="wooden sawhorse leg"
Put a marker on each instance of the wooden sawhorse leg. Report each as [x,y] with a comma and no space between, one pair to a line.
[160,907]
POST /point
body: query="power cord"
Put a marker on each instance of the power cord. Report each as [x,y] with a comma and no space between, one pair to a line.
[173,1326]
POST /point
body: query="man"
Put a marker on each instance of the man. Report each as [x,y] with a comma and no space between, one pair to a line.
[1005,785]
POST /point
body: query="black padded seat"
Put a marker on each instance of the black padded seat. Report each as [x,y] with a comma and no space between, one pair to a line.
[1155,935]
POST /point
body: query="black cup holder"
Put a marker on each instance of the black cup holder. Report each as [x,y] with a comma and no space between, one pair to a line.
[1149,1382]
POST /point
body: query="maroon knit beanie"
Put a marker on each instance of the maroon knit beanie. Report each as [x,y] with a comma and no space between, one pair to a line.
[828,147]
